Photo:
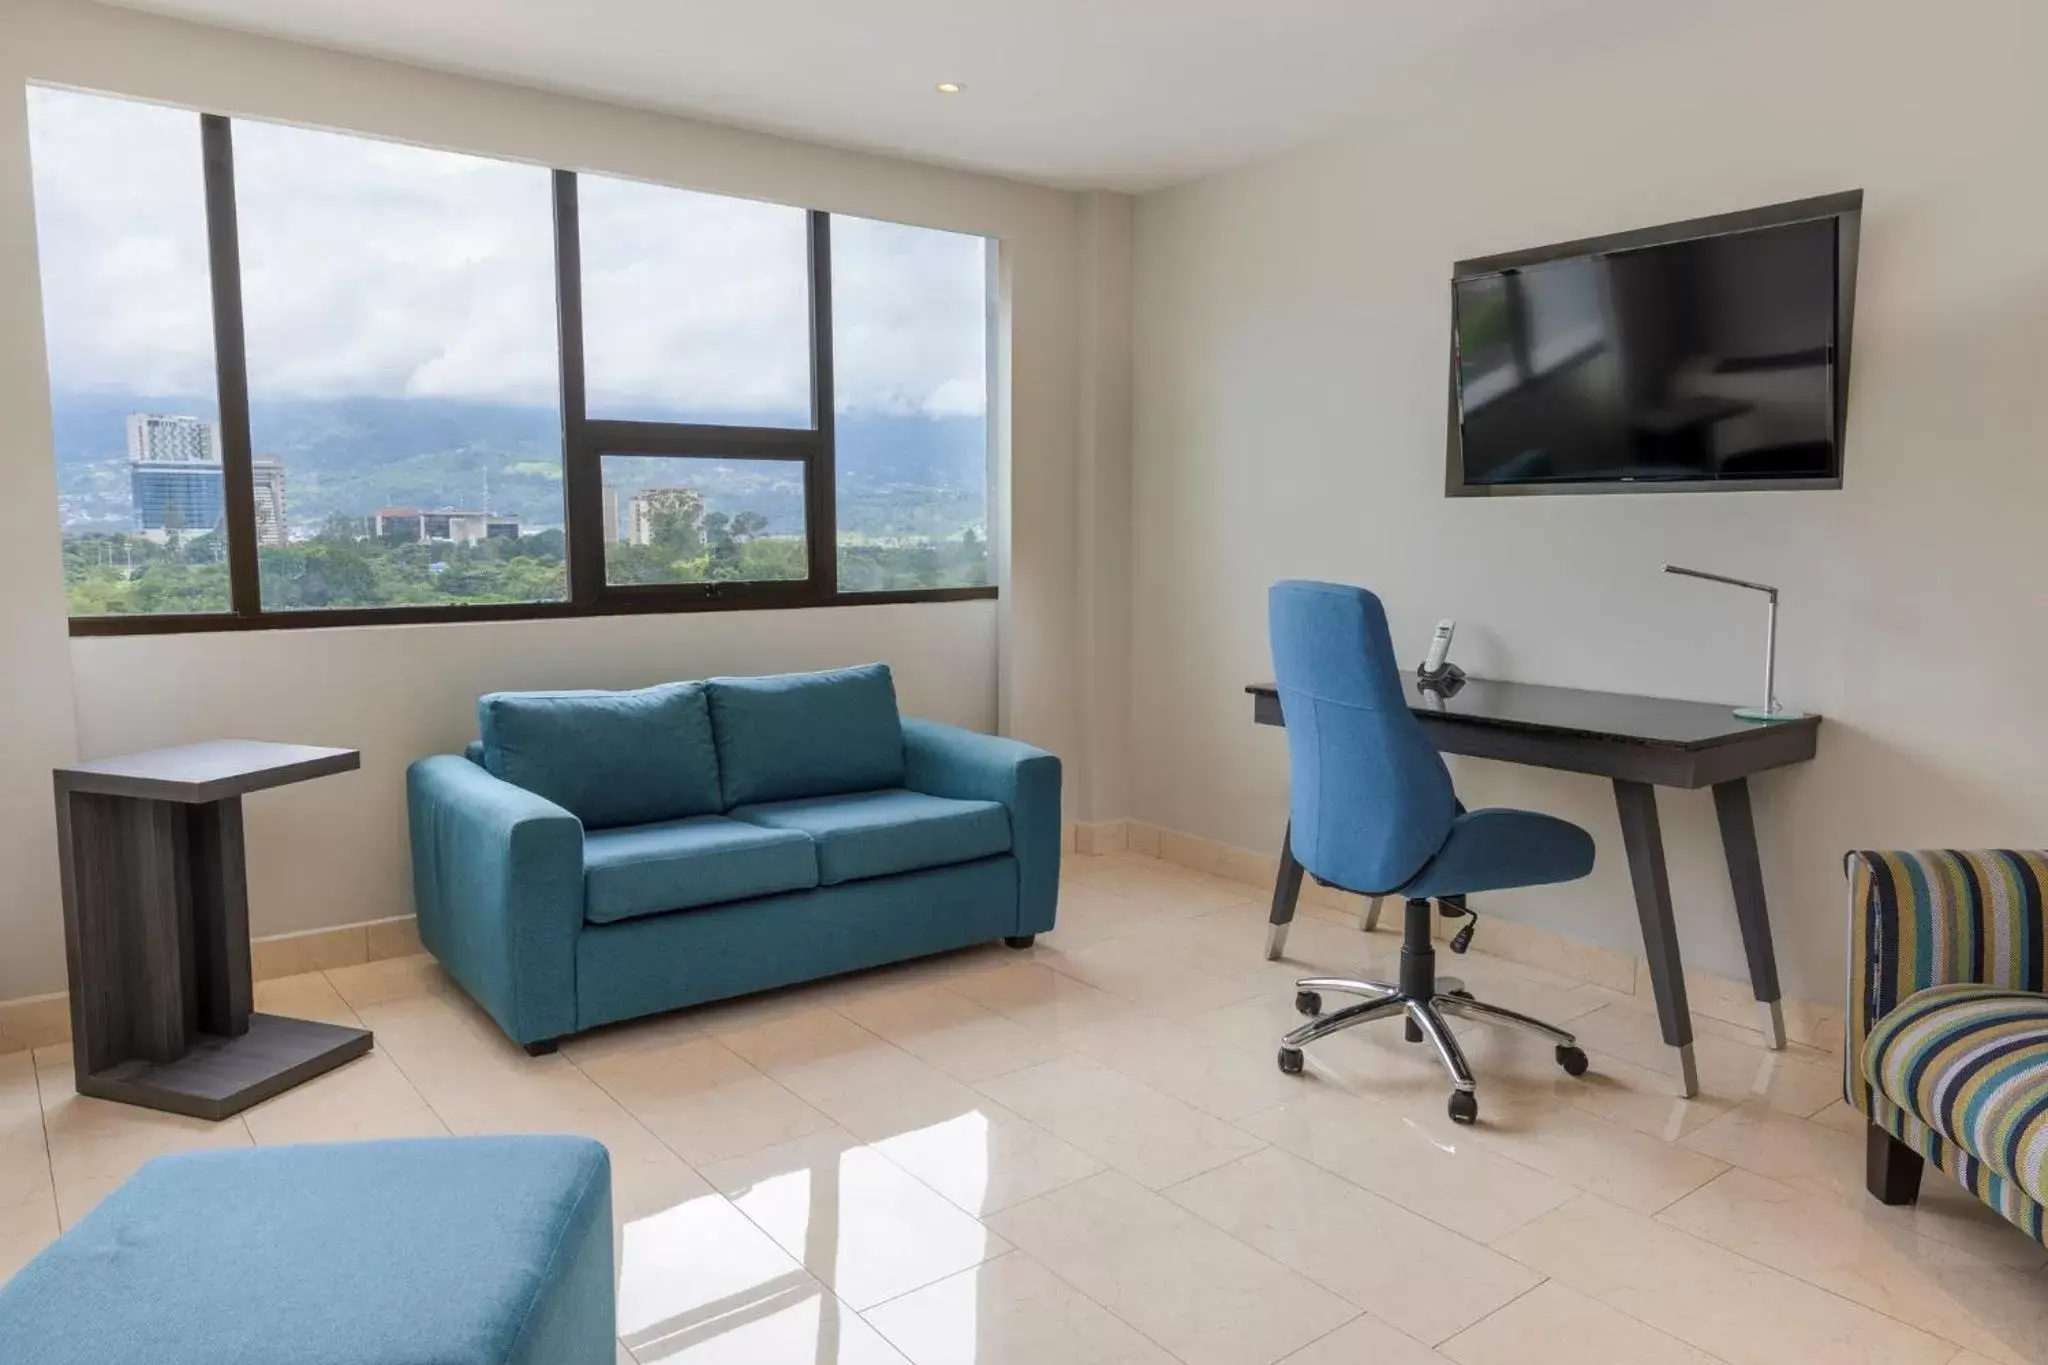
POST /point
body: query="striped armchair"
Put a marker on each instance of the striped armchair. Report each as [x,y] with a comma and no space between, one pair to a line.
[1948,1024]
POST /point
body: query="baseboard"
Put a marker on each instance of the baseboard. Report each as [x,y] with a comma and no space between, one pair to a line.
[41,1020]
[1711,997]
[1105,836]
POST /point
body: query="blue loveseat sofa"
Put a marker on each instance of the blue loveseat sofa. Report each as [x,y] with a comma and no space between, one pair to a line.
[599,856]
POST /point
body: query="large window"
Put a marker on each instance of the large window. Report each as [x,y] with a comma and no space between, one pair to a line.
[305,378]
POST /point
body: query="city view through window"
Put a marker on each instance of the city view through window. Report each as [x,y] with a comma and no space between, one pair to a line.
[398,307]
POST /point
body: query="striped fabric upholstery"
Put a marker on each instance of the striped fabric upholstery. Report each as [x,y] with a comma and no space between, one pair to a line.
[1971,1062]
[1958,1075]
[1933,919]
[2015,1204]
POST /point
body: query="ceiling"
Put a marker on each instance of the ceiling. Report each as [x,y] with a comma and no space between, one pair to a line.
[1126,94]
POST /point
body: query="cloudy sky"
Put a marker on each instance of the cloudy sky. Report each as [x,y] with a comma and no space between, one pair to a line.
[371,268]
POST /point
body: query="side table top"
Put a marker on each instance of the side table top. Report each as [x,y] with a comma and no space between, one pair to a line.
[209,771]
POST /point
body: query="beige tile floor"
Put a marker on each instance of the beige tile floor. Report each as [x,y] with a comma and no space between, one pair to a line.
[1084,1155]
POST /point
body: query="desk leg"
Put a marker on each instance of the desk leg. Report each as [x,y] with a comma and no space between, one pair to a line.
[1746,880]
[1286,891]
[1640,834]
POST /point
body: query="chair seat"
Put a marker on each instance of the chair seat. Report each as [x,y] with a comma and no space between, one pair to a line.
[462,1251]
[1971,1062]
[880,833]
[683,864]
[1493,850]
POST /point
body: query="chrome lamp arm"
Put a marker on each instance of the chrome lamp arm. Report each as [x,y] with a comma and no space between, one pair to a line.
[1770,709]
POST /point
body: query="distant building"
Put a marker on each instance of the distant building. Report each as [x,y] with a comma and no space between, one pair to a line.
[646,508]
[174,474]
[612,530]
[399,523]
[457,527]
[159,438]
[269,478]
[176,497]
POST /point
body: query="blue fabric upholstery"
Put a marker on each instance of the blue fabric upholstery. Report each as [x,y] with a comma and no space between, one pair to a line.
[553,928]
[806,734]
[459,1251]
[678,864]
[1371,803]
[945,760]
[872,834]
[497,879]
[1496,850]
[474,752]
[608,758]
[664,962]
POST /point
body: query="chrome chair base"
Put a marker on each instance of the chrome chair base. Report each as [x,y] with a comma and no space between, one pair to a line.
[1422,1001]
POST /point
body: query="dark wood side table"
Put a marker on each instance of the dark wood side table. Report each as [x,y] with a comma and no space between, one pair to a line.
[156,930]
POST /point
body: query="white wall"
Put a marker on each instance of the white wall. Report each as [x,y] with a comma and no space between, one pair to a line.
[1292,326]
[334,851]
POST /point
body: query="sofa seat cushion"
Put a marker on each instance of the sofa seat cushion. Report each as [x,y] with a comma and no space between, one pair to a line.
[680,864]
[608,758]
[459,1251]
[1971,1062]
[876,834]
[806,734]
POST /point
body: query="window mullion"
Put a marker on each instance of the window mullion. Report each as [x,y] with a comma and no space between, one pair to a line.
[582,476]
[231,365]
[821,482]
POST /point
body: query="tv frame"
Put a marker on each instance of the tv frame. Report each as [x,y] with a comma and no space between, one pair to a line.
[1845,208]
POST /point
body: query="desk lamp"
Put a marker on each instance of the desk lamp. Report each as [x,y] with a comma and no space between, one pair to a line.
[1770,710]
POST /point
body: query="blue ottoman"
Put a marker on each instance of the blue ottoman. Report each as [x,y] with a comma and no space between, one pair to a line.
[444,1251]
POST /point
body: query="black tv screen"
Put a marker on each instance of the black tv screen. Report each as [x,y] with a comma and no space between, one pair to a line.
[1711,354]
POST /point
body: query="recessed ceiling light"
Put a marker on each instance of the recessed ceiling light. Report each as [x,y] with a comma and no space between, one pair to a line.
[950,87]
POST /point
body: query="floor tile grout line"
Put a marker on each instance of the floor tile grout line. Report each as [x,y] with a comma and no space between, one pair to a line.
[35,1074]
[1749,1262]
[1541,1280]
[1662,1222]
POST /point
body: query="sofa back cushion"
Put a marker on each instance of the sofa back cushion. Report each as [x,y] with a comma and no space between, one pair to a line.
[608,758]
[806,734]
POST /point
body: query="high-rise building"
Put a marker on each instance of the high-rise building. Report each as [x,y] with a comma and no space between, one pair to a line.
[612,529]
[161,438]
[174,474]
[171,497]
[268,473]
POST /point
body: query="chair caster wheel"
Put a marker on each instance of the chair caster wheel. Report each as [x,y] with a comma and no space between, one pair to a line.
[1308,1003]
[1290,1060]
[1411,1030]
[1464,1107]
[1572,1059]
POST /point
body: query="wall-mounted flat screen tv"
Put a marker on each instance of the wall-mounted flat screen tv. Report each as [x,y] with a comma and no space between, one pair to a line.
[1705,355]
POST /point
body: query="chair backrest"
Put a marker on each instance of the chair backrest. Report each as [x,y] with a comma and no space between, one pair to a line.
[1371,801]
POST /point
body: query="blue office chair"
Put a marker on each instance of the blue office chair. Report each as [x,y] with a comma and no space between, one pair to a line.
[1372,811]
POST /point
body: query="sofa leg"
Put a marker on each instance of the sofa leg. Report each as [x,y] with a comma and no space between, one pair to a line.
[542,1048]
[1020,940]
[1891,1169]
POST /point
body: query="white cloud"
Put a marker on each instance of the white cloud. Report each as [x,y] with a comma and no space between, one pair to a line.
[372,268]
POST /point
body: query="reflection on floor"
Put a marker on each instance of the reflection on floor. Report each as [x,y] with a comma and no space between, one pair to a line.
[1085,1153]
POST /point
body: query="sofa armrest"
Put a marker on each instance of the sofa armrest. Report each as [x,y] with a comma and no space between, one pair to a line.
[945,760]
[1944,917]
[498,883]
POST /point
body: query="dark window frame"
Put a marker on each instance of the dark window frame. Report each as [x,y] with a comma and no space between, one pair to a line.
[585,443]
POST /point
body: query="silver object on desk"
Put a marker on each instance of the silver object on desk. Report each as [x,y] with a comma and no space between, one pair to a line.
[1770,710]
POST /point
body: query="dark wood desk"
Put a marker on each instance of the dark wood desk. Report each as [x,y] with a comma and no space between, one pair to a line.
[156,930]
[1640,744]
